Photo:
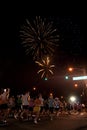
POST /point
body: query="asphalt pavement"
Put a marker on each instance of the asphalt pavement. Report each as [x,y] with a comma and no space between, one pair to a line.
[74,121]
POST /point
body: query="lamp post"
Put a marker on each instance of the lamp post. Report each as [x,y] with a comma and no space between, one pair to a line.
[82,77]
[82,71]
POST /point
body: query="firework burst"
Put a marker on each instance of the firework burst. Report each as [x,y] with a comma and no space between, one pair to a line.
[39,38]
[46,68]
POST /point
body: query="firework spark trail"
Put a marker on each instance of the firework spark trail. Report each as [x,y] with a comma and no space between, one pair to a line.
[39,38]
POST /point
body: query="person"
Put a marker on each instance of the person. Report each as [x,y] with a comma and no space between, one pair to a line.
[36,110]
[11,106]
[42,103]
[56,106]
[31,106]
[51,106]
[25,105]
[4,97]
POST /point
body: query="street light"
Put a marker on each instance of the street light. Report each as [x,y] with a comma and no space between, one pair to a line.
[76,85]
[34,88]
[73,99]
[82,77]
[66,77]
[70,69]
[82,70]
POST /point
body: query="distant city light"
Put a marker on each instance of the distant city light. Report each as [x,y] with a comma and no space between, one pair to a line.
[80,78]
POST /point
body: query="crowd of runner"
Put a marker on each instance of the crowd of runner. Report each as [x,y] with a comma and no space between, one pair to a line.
[25,107]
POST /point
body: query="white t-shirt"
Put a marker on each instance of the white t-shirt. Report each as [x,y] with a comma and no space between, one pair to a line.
[25,99]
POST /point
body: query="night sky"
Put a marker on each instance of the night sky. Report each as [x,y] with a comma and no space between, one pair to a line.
[19,72]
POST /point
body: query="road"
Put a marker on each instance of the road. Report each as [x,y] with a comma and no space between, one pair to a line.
[73,122]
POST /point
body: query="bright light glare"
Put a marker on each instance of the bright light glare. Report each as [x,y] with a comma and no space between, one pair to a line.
[4,90]
[34,88]
[72,99]
[80,78]
[70,69]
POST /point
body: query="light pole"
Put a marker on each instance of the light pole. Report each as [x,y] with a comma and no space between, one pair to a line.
[82,77]
[82,71]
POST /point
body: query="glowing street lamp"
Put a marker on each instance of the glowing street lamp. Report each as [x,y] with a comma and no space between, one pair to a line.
[79,74]
[76,85]
[34,88]
[80,78]
[66,77]
[83,75]
[61,97]
[51,94]
[73,99]
[70,69]
[45,78]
